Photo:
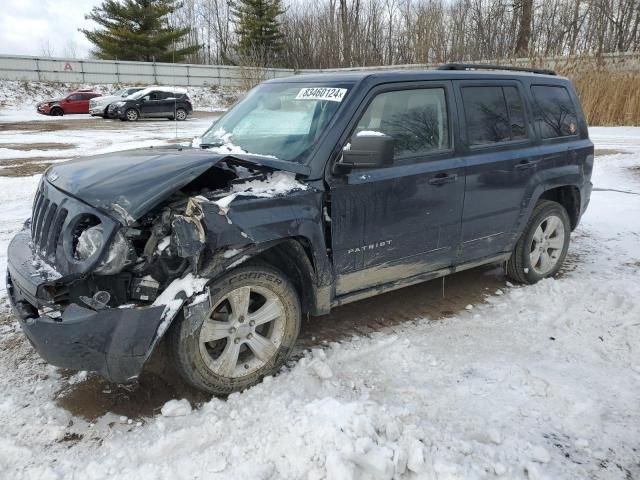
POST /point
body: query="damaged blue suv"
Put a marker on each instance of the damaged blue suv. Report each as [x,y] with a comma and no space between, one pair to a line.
[311,192]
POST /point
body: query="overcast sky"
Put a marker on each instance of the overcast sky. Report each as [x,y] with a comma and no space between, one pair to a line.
[28,26]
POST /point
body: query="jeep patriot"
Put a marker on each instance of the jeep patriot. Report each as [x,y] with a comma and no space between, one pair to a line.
[311,192]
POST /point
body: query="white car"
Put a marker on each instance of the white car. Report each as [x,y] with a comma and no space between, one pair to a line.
[99,105]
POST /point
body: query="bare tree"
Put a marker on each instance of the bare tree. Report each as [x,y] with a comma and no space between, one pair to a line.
[525,9]
[46,49]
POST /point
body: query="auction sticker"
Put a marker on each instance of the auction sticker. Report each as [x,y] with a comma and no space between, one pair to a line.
[322,93]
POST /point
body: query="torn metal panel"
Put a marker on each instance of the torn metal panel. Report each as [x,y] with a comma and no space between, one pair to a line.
[188,235]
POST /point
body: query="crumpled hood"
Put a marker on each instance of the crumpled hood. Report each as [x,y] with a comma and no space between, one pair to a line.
[50,100]
[128,184]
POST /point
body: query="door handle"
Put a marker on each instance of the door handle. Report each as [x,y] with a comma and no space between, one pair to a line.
[442,178]
[525,164]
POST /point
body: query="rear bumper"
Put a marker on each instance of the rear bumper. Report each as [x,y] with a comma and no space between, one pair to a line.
[115,342]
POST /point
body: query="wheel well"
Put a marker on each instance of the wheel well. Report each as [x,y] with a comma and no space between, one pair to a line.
[293,258]
[569,197]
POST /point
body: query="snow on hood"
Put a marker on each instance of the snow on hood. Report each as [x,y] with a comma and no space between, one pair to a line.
[276,184]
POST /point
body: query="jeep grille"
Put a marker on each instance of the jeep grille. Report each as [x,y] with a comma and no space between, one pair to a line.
[46,224]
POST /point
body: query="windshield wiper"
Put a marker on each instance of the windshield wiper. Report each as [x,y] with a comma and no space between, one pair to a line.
[211,145]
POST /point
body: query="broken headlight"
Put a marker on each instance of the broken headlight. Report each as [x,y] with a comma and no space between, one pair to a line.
[91,241]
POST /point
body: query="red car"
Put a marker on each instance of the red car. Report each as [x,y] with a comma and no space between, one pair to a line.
[74,102]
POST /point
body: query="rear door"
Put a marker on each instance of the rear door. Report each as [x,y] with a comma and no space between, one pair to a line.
[501,161]
[401,220]
[83,104]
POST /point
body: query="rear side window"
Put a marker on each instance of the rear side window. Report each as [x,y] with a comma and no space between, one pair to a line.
[416,119]
[555,113]
[493,115]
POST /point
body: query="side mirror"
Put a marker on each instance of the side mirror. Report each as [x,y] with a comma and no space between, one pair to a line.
[367,151]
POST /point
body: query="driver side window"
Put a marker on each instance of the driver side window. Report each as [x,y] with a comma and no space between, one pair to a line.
[416,119]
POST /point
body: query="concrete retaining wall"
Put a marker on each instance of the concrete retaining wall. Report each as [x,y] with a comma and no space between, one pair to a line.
[45,69]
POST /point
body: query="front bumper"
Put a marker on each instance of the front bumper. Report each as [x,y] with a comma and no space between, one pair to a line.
[115,342]
[112,111]
[97,110]
[44,110]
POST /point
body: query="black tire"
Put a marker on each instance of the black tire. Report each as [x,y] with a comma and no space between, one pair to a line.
[105,114]
[519,266]
[57,112]
[184,337]
[131,115]
[181,114]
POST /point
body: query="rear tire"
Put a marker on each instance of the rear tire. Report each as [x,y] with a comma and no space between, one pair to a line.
[543,246]
[132,115]
[252,327]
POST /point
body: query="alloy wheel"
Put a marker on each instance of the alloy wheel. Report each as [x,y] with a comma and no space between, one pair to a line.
[547,244]
[242,332]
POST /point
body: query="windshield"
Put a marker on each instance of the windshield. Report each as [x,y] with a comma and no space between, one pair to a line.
[282,120]
[118,93]
[139,94]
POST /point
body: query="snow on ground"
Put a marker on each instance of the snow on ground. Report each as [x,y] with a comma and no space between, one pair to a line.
[19,98]
[539,382]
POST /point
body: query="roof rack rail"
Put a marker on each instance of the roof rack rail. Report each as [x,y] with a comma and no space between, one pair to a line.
[482,66]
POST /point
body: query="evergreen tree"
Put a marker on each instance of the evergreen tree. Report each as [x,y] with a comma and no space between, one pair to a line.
[137,30]
[258,29]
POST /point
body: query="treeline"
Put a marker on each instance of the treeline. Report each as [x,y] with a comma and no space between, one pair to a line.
[346,33]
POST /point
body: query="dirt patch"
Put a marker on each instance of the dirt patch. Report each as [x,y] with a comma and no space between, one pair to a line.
[90,123]
[26,147]
[426,301]
[601,152]
[38,126]
[95,397]
[22,167]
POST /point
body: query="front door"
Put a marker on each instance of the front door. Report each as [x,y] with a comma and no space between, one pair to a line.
[404,219]
[152,104]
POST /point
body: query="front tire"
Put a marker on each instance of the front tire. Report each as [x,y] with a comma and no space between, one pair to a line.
[57,112]
[248,333]
[181,114]
[132,115]
[543,246]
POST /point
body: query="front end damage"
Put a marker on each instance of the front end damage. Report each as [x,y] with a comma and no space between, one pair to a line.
[96,288]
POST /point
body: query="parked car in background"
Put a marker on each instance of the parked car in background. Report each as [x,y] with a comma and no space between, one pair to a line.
[74,102]
[98,106]
[153,102]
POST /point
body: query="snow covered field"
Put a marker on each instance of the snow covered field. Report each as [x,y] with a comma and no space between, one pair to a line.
[537,382]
